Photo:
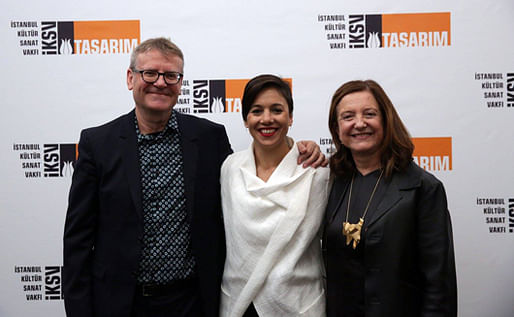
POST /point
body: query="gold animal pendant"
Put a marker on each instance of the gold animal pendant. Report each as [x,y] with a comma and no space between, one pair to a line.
[353,232]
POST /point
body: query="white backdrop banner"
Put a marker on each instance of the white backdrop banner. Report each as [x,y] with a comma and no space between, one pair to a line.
[447,66]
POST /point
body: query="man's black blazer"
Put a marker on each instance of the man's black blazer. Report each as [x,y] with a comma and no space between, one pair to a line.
[104,226]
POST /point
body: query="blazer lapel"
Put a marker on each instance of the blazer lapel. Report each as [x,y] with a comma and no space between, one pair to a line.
[399,182]
[391,197]
[188,141]
[130,161]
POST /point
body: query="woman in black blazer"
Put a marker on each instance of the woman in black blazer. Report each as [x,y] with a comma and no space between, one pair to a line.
[387,243]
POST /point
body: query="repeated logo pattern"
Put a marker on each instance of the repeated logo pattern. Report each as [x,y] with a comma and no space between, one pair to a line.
[77,37]
[393,30]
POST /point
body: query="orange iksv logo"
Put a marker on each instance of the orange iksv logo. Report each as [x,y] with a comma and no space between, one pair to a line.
[393,30]
[89,37]
[219,95]
[399,30]
[433,154]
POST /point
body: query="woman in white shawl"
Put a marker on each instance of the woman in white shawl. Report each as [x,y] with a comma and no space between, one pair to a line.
[272,210]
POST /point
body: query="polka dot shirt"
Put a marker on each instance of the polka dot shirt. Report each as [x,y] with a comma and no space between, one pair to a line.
[166,251]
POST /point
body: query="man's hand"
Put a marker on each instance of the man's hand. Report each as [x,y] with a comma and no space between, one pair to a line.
[310,154]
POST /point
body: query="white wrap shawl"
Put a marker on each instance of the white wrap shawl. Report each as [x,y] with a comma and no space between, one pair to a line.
[272,233]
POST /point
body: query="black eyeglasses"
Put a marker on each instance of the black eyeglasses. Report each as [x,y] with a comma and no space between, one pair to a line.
[151,76]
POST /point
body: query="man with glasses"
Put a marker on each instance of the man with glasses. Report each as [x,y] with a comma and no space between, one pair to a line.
[144,232]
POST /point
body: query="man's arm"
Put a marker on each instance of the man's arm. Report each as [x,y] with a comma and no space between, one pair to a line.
[79,231]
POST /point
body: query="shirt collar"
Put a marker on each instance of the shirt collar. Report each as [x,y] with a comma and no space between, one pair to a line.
[170,127]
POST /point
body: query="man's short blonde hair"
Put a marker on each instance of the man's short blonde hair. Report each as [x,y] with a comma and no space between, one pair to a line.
[162,44]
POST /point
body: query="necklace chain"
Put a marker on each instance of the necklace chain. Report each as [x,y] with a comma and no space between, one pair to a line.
[353,231]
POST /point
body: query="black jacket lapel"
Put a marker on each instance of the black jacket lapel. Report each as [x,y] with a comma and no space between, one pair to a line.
[188,141]
[130,160]
[399,182]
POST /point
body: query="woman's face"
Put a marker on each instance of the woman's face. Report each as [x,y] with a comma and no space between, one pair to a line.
[360,125]
[269,119]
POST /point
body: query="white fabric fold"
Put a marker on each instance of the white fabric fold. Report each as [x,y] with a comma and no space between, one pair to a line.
[273,249]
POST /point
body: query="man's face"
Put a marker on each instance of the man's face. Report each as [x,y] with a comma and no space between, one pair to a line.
[157,98]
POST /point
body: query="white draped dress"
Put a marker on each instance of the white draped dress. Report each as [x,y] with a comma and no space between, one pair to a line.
[272,233]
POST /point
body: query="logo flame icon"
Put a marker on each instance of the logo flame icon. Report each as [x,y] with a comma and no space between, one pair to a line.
[67,169]
[373,40]
[66,48]
[217,105]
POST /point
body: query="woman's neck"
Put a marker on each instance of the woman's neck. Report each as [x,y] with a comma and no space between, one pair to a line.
[267,160]
[367,164]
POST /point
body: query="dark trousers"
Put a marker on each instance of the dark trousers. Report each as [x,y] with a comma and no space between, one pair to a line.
[181,299]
